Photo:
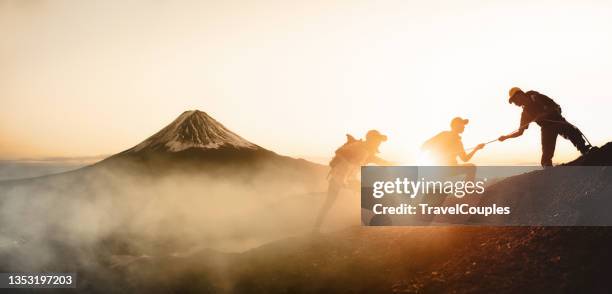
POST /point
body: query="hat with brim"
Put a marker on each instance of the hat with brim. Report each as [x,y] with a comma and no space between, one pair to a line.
[512,94]
[459,121]
[376,135]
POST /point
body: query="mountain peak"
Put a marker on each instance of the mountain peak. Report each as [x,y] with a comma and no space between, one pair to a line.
[194,129]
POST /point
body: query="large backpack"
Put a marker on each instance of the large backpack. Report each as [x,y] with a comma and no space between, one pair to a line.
[342,150]
[435,143]
[545,103]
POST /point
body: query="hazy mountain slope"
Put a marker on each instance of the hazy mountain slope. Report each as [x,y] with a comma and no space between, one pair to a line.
[577,193]
[388,260]
[431,260]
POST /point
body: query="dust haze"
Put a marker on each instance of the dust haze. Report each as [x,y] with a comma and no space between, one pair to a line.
[100,218]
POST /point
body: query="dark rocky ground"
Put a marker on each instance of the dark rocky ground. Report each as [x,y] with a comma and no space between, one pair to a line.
[384,260]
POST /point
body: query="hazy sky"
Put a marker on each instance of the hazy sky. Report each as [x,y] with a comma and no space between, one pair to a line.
[80,78]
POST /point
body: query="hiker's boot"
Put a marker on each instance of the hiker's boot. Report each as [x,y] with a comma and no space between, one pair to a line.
[592,149]
[585,149]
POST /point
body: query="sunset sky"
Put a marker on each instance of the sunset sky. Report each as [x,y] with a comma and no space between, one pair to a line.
[83,78]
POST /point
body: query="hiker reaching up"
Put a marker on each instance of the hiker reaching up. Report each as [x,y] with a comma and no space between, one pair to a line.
[446,146]
[355,153]
[346,164]
[546,113]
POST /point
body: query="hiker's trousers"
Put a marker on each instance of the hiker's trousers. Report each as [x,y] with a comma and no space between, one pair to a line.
[550,130]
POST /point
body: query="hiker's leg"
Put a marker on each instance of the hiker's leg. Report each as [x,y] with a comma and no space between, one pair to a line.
[549,141]
[332,193]
[573,134]
[469,169]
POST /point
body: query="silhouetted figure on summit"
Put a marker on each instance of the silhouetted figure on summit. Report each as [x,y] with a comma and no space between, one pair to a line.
[346,163]
[547,114]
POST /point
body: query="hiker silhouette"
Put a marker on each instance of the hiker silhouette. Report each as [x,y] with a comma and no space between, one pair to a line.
[446,146]
[345,165]
[546,113]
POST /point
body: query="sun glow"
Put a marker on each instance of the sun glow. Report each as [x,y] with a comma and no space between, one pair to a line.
[426,159]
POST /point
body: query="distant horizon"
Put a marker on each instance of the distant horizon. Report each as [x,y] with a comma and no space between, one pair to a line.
[18,169]
[320,159]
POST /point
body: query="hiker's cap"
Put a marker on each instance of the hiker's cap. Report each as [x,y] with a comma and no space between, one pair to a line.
[459,121]
[376,136]
[513,92]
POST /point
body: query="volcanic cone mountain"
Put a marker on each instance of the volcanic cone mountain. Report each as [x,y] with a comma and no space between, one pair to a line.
[196,141]
[193,129]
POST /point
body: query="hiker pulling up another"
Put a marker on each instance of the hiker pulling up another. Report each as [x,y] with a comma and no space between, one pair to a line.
[345,165]
[446,146]
[547,114]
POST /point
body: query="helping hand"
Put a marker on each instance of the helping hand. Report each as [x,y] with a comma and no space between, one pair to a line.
[502,138]
[480,146]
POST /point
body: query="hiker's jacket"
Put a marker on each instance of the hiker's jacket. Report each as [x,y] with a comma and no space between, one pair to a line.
[540,109]
[358,153]
[445,147]
[350,157]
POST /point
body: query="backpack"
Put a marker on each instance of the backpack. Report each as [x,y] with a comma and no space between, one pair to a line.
[436,142]
[341,151]
[545,103]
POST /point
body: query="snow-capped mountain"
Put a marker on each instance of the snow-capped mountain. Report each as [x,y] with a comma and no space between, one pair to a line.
[197,142]
[193,129]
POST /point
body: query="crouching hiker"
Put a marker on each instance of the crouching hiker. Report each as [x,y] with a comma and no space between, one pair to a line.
[447,146]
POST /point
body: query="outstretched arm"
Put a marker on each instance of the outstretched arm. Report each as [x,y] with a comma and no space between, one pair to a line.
[515,134]
[526,119]
[379,161]
[466,157]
